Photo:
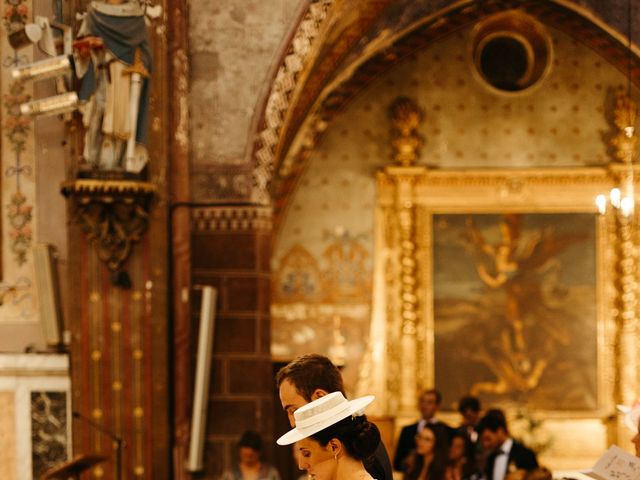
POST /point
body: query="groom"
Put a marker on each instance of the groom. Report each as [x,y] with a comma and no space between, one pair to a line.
[310,377]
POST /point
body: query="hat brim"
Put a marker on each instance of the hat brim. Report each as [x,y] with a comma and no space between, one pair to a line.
[356,407]
[631,416]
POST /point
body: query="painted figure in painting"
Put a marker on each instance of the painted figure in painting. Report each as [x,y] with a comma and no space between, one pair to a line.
[518,271]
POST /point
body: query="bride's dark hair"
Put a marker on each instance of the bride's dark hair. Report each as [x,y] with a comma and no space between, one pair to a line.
[359,436]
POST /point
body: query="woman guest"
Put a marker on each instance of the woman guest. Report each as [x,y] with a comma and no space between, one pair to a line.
[250,465]
[461,465]
[333,438]
[429,461]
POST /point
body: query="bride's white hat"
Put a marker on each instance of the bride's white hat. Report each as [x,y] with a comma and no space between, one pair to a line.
[322,413]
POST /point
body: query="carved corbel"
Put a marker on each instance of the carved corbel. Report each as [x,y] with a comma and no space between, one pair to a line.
[114,214]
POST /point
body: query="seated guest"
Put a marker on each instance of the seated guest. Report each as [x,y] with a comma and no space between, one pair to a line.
[469,409]
[250,465]
[462,464]
[429,403]
[505,455]
[429,460]
[333,438]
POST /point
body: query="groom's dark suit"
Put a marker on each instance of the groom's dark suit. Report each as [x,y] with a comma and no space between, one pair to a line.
[520,457]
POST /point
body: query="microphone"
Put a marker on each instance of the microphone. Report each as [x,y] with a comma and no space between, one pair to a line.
[119,442]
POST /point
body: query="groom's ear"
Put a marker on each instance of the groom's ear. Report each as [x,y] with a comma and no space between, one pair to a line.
[317,393]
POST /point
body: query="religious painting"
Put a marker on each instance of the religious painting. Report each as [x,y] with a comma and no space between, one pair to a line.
[514,308]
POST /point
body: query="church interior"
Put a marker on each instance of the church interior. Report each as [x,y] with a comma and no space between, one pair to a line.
[431,193]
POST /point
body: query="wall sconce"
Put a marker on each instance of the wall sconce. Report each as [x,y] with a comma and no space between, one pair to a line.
[58,104]
[624,205]
[55,67]
[624,142]
[47,68]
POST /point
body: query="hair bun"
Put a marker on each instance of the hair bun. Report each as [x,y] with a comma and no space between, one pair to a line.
[366,438]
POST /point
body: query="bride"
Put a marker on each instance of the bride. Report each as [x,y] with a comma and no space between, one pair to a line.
[333,437]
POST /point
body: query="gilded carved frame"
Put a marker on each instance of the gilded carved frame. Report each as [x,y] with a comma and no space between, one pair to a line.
[402,344]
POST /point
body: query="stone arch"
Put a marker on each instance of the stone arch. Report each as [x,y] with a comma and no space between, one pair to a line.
[334,53]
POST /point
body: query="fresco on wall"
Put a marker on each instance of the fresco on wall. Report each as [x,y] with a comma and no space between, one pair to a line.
[321,302]
[18,184]
[515,308]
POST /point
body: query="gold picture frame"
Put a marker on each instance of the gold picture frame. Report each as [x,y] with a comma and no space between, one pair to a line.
[402,344]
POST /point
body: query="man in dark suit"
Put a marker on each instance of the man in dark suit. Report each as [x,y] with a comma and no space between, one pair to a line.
[504,454]
[429,403]
[469,409]
[310,377]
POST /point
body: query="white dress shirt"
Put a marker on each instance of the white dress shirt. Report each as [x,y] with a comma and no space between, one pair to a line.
[502,460]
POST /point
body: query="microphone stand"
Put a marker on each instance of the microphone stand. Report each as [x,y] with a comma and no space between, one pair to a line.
[119,442]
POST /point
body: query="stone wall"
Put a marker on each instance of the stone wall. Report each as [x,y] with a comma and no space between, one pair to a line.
[233,47]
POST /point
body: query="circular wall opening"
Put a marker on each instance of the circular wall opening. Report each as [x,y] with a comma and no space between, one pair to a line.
[511,52]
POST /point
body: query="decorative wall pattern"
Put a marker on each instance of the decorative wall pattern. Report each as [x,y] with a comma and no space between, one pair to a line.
[560,124]
[115,343]
[18,181]
[282,89]
[332,288]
